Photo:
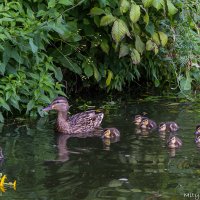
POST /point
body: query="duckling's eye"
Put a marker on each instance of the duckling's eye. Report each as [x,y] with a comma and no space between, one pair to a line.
[57,102]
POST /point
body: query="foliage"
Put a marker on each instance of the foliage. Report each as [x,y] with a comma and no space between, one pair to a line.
[46,45]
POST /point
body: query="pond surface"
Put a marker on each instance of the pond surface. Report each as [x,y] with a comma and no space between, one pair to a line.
[136,167]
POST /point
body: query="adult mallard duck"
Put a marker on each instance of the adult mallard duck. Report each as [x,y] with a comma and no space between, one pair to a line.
[148,124]
[174,142]
[168,127]
[83,122]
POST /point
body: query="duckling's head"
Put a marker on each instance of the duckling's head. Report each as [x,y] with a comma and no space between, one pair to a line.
[60,104]
[172,140]
[111,133]
[145,121]
[197,132]
[162,126]
[137,119]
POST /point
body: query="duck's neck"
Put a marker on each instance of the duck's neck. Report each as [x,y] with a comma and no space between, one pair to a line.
[62,116]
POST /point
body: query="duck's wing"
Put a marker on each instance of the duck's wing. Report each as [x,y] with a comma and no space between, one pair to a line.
[86,121]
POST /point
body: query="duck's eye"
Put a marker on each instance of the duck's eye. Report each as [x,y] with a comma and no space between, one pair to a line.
[57,102]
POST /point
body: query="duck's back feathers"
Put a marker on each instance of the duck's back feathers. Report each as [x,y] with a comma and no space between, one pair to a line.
[85,121]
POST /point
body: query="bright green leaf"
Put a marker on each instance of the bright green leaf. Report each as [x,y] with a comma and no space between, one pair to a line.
[96,73]
[134,13]
[146,18]
[107,19]
[124,6]
[34,48]
[51,3]
[163,38]
[66,2]
[172,10]
[135,56]
[150,45]
[147,3]
[139,45]
[119,30]
[109,78]
[156,38]
[158,4]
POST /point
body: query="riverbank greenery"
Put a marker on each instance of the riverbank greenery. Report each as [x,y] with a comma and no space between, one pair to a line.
[59,47]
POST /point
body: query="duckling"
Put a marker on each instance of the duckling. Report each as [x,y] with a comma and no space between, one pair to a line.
[148,124]
[138,119]
[1,154]
[197,131]
[83,122]
[168,127]
[174,142]
[197,139]
[110,133]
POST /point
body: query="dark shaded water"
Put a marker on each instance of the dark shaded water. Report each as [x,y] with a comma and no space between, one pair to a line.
[136,167]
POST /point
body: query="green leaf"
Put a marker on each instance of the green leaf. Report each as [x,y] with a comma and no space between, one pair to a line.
[150,45]
[14,103]
[88,69]
[66,2]
[4,104]
[119,30]
[124,50]
[107,19]
[96,11]
[146,18]
[135,13]
[97,75]
[104,46]
[172,10]
[135,56]
[156,38]
[51,3]
[109,77]
[124,6]
[147,3]
[163,38]
[158,4]
[58,73]
[139,45]
[186,83]
[1,117]
[30,105]
[34,48]
[2,68]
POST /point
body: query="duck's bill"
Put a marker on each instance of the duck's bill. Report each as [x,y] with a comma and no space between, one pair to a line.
[47,108]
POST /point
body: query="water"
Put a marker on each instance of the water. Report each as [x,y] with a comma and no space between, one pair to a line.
[136,167]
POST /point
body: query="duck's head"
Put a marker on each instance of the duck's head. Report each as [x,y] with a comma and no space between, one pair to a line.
[197,132]
[145,121]
[60,104]
[137,119]
[110,133]
[162,126]
[172,140]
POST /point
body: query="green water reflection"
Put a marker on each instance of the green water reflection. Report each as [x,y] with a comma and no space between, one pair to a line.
[136,167]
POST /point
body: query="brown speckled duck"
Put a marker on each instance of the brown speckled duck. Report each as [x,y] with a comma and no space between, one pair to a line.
[111,133]
[174,142]
[148,124]
[83,122]
[168,127]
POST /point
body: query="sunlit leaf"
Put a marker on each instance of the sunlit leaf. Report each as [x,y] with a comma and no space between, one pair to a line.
[124,6]
[147,3]
[51,3]
[156,38]
[158,4]
[150,45]
[124,50]
[107,19]
[163,38]
[97,76]
[139,45]
[109,78]
[135,56]
[134,13]
[96,11]
[172,10]
[119,30]
[146,18]
[186,82]
[66,2]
